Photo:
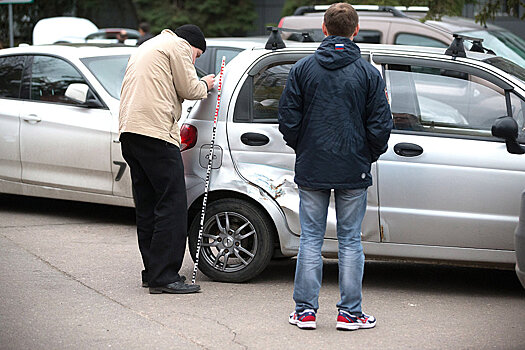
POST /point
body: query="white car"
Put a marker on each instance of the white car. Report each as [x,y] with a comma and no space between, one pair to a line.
[59,123]
[59,119]
[62,30]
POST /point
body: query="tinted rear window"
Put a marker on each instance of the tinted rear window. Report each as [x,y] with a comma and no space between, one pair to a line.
[11,68]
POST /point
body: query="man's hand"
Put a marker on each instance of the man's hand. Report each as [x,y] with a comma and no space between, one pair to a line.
[210,80]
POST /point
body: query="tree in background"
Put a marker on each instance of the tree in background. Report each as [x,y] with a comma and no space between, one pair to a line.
[214,17]
[103,13]
[437,8]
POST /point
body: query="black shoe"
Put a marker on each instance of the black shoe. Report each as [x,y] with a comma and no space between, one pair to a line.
[145,284]
[178,287]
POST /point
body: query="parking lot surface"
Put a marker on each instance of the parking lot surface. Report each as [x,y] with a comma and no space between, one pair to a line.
[70,279]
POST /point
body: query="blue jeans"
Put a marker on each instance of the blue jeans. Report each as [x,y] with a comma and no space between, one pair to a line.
[350,209]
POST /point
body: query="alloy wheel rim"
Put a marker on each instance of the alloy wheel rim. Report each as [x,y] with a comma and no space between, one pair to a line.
[229,242]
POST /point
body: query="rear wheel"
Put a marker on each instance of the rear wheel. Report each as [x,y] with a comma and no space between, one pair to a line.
[237,241]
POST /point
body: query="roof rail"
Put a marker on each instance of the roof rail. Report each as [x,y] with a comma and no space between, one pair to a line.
[395,10]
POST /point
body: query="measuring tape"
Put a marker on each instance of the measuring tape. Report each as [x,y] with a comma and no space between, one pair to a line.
[208,173]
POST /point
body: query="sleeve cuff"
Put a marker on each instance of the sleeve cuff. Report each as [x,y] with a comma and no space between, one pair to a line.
[205,84]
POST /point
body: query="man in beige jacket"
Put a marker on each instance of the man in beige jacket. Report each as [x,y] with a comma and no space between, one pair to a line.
[159,76]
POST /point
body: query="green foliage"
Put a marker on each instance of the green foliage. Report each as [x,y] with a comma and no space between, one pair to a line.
[492,7]
[440,8]
[25,16]
[214,17]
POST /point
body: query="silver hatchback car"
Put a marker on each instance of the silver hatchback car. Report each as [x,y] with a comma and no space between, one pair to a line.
[446,190]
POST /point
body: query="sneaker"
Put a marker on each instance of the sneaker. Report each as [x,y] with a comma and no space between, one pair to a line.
[348,322]
[303,320]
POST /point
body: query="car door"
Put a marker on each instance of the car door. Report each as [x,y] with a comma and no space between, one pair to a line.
[11,70]
[63,144]
[445,180]
[260,153]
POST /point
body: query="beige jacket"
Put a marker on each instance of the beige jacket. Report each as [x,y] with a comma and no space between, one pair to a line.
[159,76]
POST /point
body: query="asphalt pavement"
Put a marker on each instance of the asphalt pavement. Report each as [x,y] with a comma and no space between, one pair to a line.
[70,279]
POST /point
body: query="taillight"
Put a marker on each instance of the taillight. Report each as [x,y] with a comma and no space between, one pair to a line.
[188,136]
[280,25]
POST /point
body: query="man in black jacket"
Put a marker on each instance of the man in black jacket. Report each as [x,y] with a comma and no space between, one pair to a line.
[334,113]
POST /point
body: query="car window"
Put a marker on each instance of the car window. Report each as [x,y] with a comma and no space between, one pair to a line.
[268,85]
[109,71]
[435,100]
[258,99]
[50,78]
[11,68]
[518,113]
[202,63]
[417,40]
[368,36]
[228,53]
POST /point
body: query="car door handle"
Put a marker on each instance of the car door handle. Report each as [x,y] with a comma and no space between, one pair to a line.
[254,139]
[32,119]
[406,149]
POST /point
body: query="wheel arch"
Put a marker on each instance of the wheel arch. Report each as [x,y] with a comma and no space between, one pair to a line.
[196,207]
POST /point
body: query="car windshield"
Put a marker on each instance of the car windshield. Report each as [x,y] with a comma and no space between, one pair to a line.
[109,71]
[503,43]
[507,66]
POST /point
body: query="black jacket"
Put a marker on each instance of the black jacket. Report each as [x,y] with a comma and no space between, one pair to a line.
[334,113]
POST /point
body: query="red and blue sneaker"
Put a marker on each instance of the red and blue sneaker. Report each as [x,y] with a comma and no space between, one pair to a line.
[304,319]
[348,322]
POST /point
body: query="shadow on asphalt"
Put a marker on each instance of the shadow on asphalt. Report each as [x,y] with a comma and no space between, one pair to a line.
[71,209]
[412,277]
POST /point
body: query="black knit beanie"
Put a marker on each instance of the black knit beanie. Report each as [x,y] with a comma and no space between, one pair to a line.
[192,34]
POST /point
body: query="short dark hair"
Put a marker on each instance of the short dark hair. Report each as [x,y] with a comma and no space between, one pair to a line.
[341,19]
[144,26]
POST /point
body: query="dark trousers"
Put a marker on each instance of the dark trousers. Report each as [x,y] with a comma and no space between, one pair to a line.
[157,174]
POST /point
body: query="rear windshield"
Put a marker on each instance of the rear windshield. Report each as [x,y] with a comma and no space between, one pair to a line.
[109,71]
[507,66]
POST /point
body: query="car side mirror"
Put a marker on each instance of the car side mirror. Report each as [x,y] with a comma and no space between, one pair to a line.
[507,128]
[82,94]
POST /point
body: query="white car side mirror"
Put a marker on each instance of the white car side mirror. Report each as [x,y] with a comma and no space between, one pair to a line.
[77,92]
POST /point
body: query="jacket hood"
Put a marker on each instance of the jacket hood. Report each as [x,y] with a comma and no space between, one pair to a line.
[336,52]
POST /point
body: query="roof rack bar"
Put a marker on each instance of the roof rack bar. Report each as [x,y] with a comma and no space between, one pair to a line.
[275,41]
[457,49]
[395,10]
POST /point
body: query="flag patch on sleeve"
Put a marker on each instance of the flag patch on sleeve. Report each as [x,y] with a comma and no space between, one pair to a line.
[339,46]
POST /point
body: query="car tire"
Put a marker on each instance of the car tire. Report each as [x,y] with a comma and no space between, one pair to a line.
[237,241]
